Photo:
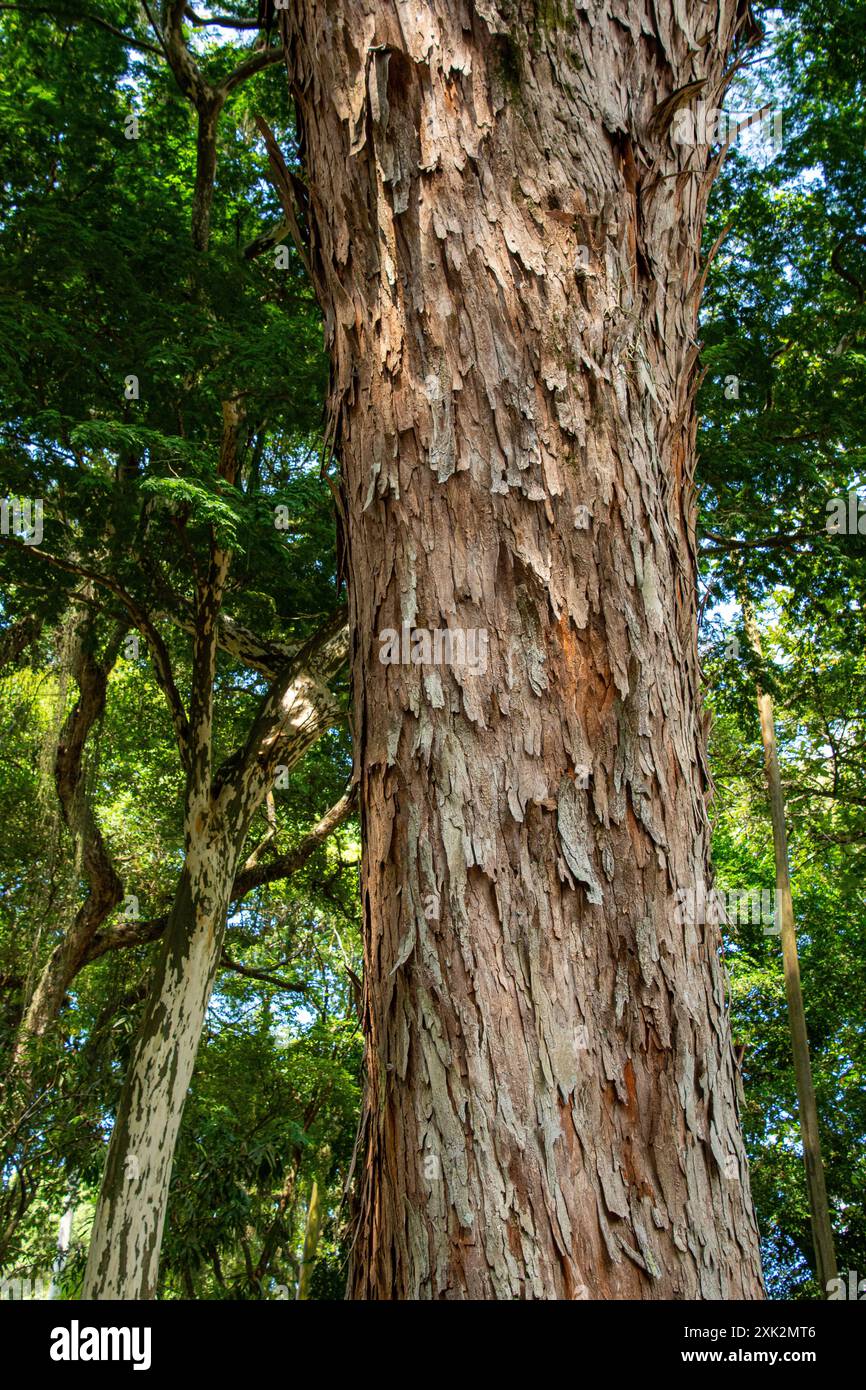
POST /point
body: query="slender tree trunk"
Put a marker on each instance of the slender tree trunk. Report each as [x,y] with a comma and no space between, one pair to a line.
[105,888]
[276,1232]
[123,1260]
[64,1240]
[205,172]
[311,1242]
[505,242]
[819,1210]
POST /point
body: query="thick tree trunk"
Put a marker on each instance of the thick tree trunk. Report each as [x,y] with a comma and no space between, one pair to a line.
[505,241]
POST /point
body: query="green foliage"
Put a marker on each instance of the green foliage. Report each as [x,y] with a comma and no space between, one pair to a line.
[100,283]
[784,312]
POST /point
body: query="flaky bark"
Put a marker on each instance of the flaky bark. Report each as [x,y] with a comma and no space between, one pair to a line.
[505,242]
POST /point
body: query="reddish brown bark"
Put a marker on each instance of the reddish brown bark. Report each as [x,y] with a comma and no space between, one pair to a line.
[505,242]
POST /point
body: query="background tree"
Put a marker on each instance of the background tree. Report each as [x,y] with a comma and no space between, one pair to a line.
[184,517]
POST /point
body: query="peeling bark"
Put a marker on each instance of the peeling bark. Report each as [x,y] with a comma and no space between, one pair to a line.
[505,243]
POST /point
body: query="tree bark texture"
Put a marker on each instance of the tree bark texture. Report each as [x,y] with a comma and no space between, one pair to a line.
[505,242]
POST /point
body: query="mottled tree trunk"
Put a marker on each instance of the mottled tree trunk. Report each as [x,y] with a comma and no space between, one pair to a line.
[123,1260]
[311,1242]
[505,240]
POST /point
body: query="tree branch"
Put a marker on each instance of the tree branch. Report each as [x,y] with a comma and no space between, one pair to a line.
[223,21]
[104,885]
[257,62]
[226,963]
[725,543]
[281,179]
[141,933]
[141,44]
[15,638]
[241,642]
[266,241]
[187,73]
[156,645]
[292,715]
[832,793]
[256,875]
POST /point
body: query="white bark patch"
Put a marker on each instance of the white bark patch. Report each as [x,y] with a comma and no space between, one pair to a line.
[571,822]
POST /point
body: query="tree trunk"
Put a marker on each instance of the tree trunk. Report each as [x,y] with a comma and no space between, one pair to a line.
[816,1185]
[311,1242]
[104,886]
[205,172]
[64,1240]
[505,242]
[123,1260]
